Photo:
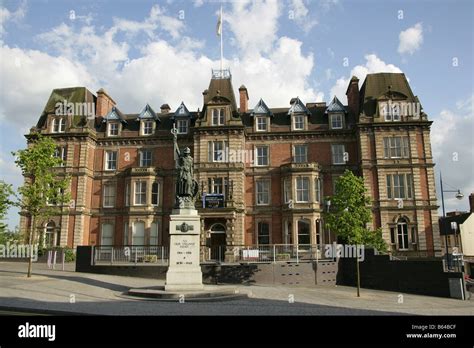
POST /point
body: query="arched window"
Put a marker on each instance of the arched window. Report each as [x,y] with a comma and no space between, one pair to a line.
[49,234]
[402,234]
[138,233]
[304,232]
[218,228]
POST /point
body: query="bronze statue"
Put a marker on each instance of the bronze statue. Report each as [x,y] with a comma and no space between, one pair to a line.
[186,187]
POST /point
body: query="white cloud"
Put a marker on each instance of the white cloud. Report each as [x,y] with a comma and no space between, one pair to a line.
[373,65]
[198,3]
[300,14]
[100,53]
[280,76]
[28,77]
[453,151]
[272,67]
[254,24]
[15,16]
[411,39]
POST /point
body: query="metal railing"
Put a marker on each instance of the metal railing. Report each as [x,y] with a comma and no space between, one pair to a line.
[136,254]
[269,253]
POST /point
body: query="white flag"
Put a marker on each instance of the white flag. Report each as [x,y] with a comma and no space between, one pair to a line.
[219,24]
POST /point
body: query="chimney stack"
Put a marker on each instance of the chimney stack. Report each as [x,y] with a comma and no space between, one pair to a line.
[165,108]
[104,103]
[244,99]
[352,94]
[471,202]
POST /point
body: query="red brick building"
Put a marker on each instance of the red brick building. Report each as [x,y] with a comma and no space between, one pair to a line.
[268,169]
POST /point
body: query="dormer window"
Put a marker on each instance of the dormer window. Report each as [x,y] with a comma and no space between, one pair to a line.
[337,121]
[182,126]
[218,117]
[298,122]
[262,124]
[148,119]
[59,125]
[147,127]
[261,114]
[299,113]
[114,121]
[181,119]
[113,129]
[391,111]
[336,113]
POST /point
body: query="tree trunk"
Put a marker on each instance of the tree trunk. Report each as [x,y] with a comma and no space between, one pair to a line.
[358,277]
[30,246]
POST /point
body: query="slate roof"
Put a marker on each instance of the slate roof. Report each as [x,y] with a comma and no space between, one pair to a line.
[70,95]
[114,115]
[261,109]
[222,88]
[181,111]
[148,113]
[376,86]
[298,107]
[336,106]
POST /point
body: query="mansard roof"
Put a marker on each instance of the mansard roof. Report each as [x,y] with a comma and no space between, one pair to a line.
[297,106]
[181,111]
[220,88]
[261,109]
[68,95]
[148,113]
[115,115]
[382,85]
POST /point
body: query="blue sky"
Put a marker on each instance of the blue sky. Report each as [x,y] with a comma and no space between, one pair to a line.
[163,51]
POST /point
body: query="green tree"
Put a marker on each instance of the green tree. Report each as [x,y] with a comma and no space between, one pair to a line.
[44,190]
[6,192]
[350,215]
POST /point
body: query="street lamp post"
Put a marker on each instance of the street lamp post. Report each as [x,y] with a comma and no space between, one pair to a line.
[458,195]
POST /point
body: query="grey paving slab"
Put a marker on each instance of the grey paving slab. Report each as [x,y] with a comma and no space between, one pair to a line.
[86,293]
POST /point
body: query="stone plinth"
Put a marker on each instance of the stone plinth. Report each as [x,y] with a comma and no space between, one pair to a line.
[184,272]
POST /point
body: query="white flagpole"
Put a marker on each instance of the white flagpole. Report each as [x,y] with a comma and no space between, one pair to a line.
[222,47]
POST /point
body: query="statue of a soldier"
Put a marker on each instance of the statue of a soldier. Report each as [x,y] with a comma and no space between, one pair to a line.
[186,186]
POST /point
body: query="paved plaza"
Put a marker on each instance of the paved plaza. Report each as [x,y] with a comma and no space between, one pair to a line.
[57,291]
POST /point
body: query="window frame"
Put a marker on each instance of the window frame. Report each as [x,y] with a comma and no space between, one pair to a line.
[302,190]
[402,184]
[263,184]
[155,193]
[58,125]
[260,229]
[139,193]
[147,125]
[258,157]
[109,193]
[179,126]
[111,237]
[333,118]
[299,117]
[109,129]
[335,155]
[61,152]
[142,159]
[295,155]
[108,160]
[258,124]
[218,117]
